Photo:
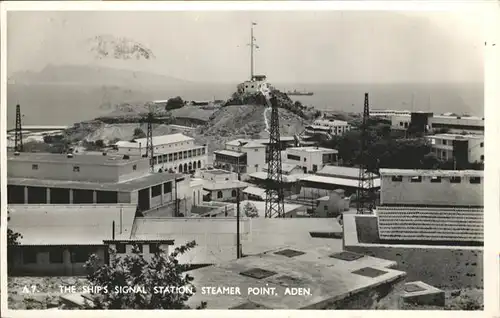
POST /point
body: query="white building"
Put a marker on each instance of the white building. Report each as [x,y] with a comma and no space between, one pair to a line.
[454,124]
[249,155]
[458,147]
[332,127]
[310,159]
[176,152]
[44,178]
[431,187]
[388,113]
[220,185]
[400,121]
[254,85]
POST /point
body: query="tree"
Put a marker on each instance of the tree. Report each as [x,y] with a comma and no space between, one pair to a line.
[139,133]
[134,270]
[100,143]
[250,210]
[174,103]
[12,237]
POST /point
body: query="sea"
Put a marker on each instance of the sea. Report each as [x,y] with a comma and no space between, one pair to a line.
[66,104]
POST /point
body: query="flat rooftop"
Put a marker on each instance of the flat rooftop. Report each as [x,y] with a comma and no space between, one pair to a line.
[157,141]
[80,159]
[216,237]
[456,136]
[313,149]
[337,181]
[339,171]
[126,186]
[431,173]
[329,280]
[216,171]
[85,224]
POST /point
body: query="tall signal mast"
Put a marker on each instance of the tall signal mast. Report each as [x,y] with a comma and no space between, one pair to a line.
[252,47]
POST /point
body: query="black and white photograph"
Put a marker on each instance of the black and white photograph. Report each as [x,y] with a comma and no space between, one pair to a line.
[245,159]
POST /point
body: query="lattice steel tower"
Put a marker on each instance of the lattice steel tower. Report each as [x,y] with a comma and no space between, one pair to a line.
[149,141]
[365,196]
[275,206]
[18,141]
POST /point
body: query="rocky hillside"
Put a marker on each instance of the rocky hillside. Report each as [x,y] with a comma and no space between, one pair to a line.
[245,121]
[227,123]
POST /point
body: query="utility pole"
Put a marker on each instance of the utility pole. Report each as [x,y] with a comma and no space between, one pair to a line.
[238,243]
[18,141]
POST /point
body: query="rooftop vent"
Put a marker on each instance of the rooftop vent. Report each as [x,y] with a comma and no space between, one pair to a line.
[70,155]
[412,288]
[17,153]
[126,157]
[369,272]
[346,256]
[289,253]
[258,273]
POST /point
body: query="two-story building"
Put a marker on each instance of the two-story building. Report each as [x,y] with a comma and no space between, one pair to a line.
[250,155]
[310,159]
[44,178]
[461,148]
[331,127]
[174,153]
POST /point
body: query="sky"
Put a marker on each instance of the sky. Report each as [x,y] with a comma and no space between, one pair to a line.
[303,47]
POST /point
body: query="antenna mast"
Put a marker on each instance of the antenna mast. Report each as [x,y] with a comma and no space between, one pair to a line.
[275,206]
[18,141]
[149,141]
[365,198]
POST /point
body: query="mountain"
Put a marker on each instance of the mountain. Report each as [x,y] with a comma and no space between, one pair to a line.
[92,75]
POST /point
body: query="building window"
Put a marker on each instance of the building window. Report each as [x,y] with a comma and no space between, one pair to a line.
[156,191]
[167,187]
[29,256]
[34,167]
[154,248]
[474,180]
[121,248]
[305,159]
[170,156]
[482,157]
[76,169]
[293,157]
[455,180]
[256,166]
[416,179]
[203,151]
[481,145]
[233,193]
[436,180]
[175,156]
[444,142]
[134,167]
[219,194]
[401,123]
[138,246]
[397,178]
[56,255]
[315,168]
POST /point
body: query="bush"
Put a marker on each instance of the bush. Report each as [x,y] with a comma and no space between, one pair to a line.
[134,270]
